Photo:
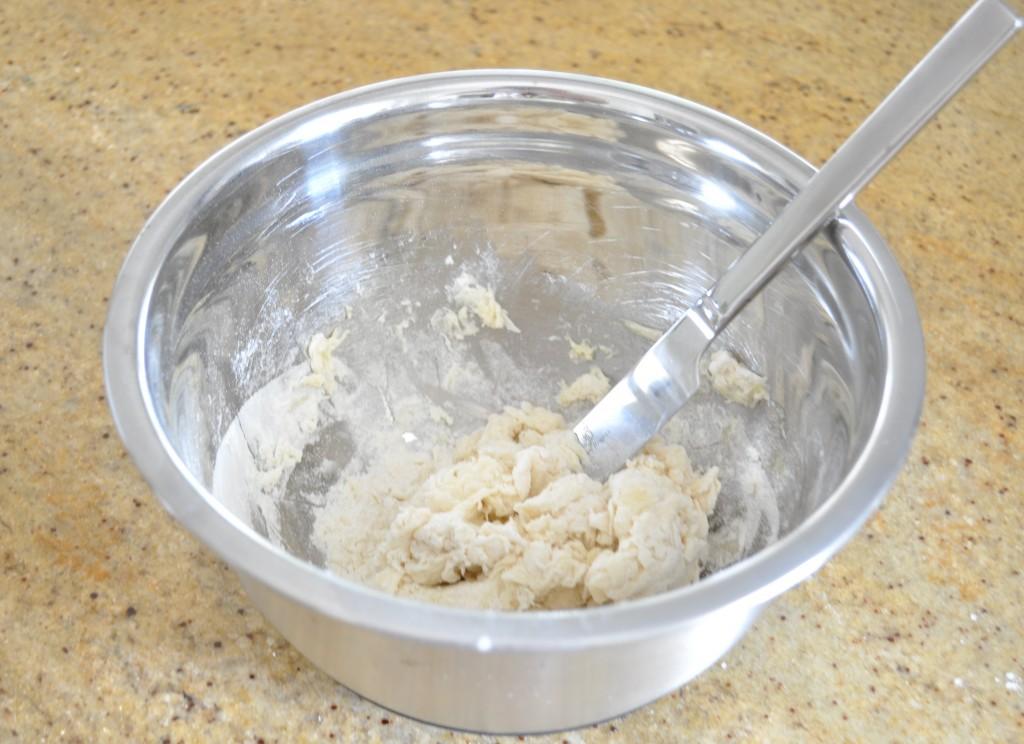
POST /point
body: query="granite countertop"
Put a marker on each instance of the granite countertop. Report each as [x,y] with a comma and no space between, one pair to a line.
[116,625]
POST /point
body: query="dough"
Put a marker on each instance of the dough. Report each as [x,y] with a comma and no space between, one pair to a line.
[322,371]
[651,334]
[471,296]
[513,523]
[503,518]
[735,382]
[590,387]
[453,324]
[580,351]
[473,303]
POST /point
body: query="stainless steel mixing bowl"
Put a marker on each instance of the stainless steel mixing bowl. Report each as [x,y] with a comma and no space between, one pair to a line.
[586,202]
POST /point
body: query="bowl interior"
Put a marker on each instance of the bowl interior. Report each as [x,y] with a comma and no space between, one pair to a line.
[585,213]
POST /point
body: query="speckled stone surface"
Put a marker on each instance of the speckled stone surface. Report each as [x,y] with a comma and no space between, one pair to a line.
[116,625]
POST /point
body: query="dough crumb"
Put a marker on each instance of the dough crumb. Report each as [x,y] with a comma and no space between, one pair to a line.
[453,325]
[580,351]
[320,351]
[470,295]
[440,415]
[735,382]
[515,524]
[651,334]
[591,386]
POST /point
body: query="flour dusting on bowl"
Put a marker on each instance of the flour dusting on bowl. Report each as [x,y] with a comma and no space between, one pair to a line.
[499,517]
